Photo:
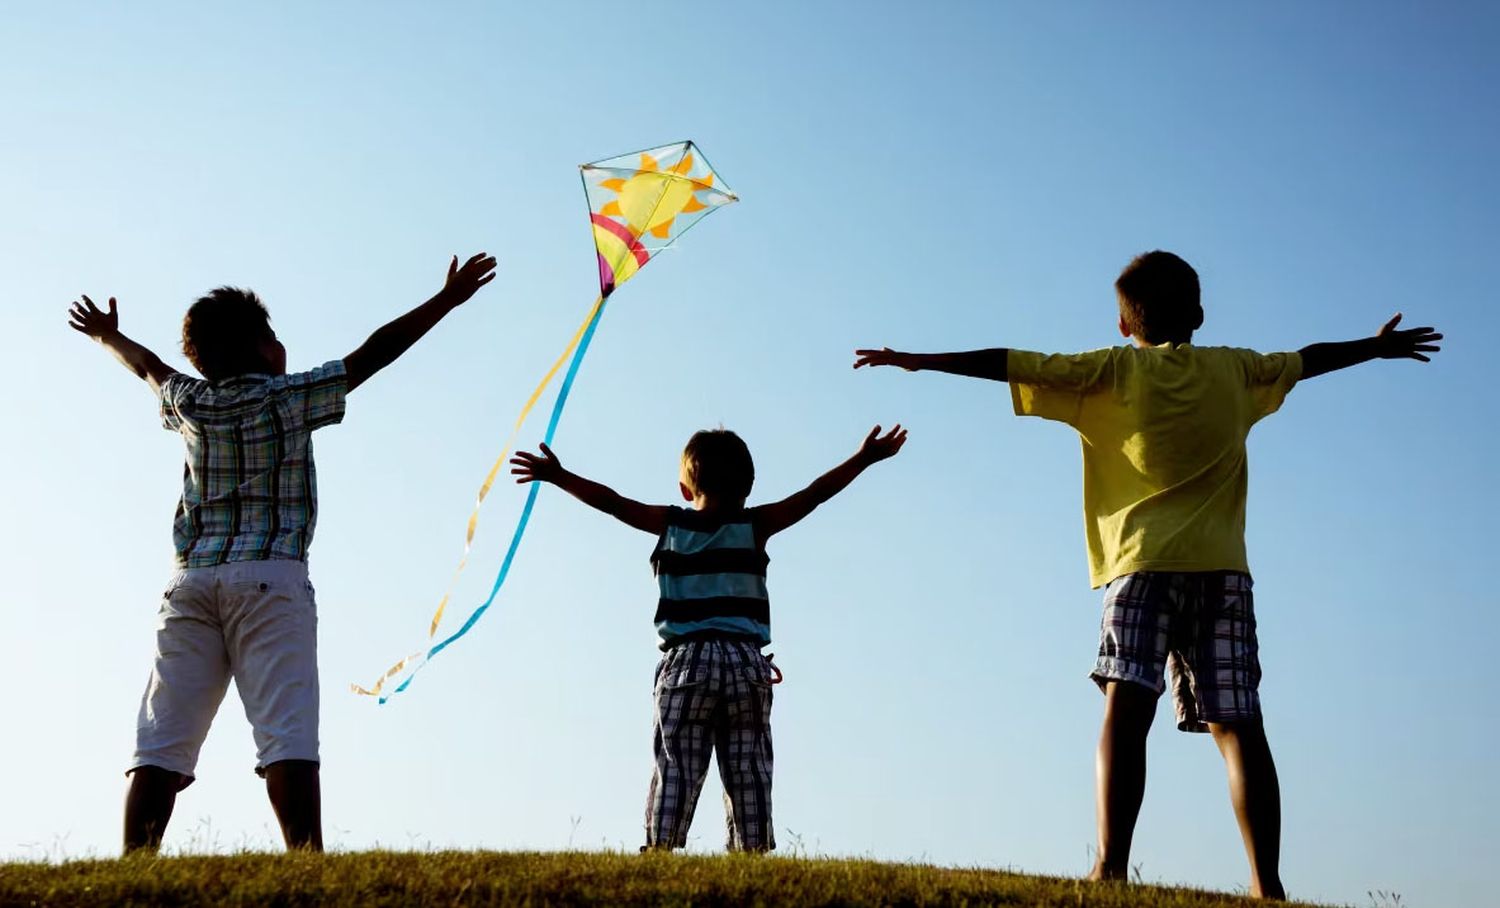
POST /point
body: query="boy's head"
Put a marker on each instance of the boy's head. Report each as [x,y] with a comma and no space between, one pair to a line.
[716,468]
[227,332]
[1159,299]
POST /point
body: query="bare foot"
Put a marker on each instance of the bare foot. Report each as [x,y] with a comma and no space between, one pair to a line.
[1102,874]
[1271,890]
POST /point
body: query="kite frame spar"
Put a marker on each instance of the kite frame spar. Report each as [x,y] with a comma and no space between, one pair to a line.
[577,347]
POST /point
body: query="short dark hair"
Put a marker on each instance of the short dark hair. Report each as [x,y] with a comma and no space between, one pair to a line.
[718,465]
[1159,298]
[222,331]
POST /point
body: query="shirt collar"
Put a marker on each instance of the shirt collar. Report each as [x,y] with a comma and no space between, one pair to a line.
[246,378]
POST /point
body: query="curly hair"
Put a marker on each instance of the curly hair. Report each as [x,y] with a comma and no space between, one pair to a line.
[222,332]
[1159,298]
[717,464]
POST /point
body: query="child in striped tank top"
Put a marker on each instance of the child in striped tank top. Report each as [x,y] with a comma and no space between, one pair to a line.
[713,685]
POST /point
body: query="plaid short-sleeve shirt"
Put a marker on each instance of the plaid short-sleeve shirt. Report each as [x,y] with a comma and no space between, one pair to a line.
[249,487]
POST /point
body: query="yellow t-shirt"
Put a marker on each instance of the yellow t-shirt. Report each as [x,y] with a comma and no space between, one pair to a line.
[1163,429]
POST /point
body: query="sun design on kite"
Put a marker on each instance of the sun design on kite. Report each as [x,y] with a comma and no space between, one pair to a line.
[652,198]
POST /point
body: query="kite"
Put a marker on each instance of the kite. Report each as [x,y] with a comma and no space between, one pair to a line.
[639,204]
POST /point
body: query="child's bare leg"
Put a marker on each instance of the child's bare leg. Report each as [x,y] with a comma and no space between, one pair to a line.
[148,806]
[1256,795]
[297,797]
[1121,773]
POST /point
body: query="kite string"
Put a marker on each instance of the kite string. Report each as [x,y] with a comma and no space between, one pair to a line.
[582,342]
[484,490]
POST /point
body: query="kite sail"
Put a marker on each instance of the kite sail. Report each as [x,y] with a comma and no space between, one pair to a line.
[639,204]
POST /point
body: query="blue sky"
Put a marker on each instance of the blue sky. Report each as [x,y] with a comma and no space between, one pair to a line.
[937,177]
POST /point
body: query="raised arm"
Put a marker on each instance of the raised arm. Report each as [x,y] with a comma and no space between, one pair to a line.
[773,518]
[988,364]
[547,468]
[1388,343]
[396,337]
[104,327]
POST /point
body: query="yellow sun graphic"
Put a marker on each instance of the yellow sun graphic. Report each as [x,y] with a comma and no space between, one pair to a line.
[652,198]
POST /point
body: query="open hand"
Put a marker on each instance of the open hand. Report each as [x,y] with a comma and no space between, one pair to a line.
[86,318]
[533,468]
[885,356]
[1407,343]
[464,282]
[878,447]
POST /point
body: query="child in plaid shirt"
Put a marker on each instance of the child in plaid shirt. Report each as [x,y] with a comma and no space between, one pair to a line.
[1163,425]
[240,605]
[713,686]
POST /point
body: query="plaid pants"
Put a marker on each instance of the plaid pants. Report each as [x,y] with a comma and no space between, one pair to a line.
[712,694]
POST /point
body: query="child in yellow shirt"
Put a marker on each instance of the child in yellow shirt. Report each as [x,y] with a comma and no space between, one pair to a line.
[1163,425]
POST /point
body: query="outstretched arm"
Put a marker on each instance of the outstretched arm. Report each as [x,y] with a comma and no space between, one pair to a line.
[547,468]
[1389,343]
[773,518]
[104,327]
[396,337]
[988,364]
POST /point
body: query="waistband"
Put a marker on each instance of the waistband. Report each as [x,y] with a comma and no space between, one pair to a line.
[710,636]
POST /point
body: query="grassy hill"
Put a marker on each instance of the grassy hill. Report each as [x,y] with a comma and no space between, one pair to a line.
[379,878]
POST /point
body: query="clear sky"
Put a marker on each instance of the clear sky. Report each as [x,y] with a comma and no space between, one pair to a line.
[930,177]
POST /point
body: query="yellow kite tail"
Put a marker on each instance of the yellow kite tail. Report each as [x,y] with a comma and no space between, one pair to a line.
[484,491]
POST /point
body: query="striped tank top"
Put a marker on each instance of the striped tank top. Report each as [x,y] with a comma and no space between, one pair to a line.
[711,572]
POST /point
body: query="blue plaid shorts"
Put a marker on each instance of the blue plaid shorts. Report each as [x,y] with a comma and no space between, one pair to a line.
[1199,627]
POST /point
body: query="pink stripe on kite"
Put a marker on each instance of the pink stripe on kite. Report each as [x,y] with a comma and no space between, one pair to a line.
[606,276]
[619,230]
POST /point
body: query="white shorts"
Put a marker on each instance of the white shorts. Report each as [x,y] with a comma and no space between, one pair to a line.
[254,621]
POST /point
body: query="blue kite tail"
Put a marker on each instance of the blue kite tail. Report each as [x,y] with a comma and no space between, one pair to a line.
[515,539]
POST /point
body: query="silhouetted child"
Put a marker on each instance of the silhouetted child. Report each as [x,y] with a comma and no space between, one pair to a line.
[1163,425]
[713,686]
[240,605]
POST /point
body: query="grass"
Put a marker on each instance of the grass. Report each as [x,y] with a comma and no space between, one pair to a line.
[381,878]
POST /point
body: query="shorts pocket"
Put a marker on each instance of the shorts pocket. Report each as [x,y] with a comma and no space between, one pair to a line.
[759,671]
[177,582]
[250,586]
[683,666]
[271,587]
